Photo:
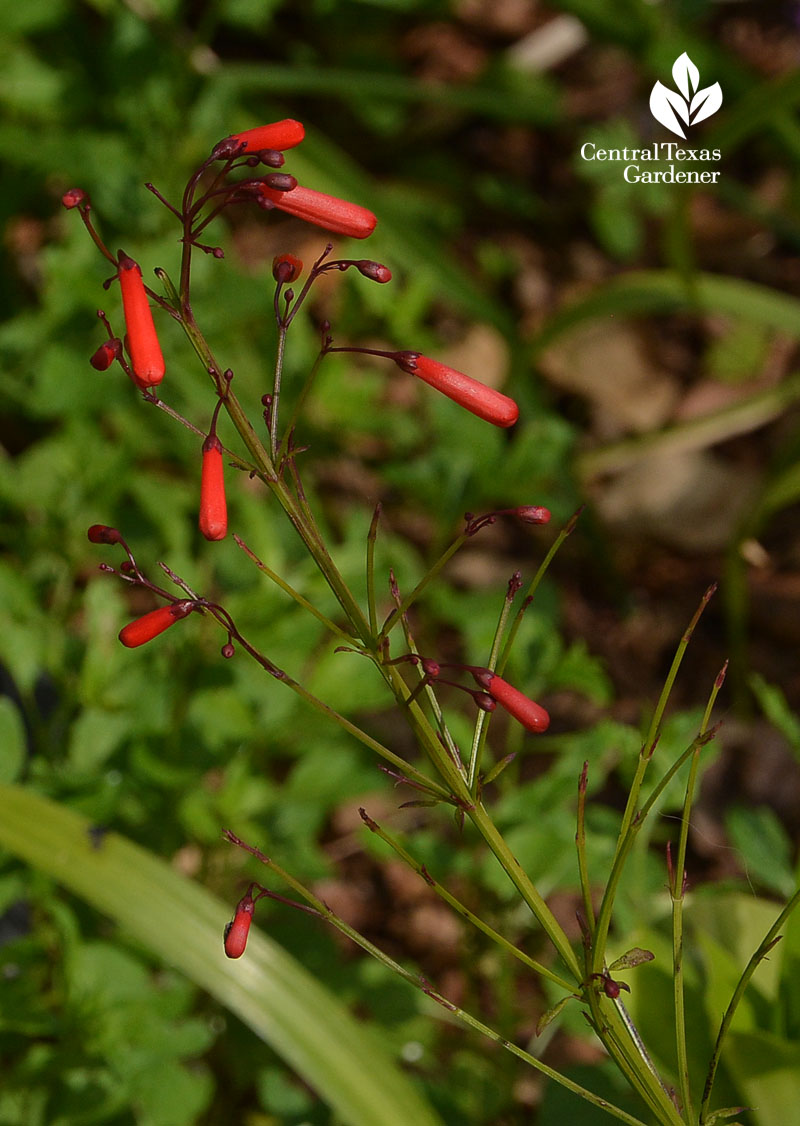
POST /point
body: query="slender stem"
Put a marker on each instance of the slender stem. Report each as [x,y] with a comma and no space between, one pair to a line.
[624,1044]
[288,589]
[678,893]
[566,531]
[265,468]
[490,833]
[770,939]
[297,408]
[325,912]
[426,685]
[371,538]
[482,722]
[410,599]
[84,210]
[645,755]
[276,390]
[462,909]
[580,845]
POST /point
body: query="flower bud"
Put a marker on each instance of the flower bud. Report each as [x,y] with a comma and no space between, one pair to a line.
[147,360]
[374,270]
[105,355]
[213,519]
[337,215]
[531,715]
[286,268]
[280,181]
[144,629]
[74,198]
[483,401]
[533,514]
[237,930]
[102,533]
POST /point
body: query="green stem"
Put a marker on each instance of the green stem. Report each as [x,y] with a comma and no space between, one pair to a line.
[276,391]
[482,722]
[624,839]
[295,510]
[580,845]
[326,913]
[371,538]
[463,910]
[408,601]
[677,893]
[298,598]
[297,408]
[567,530]
[769,940]
[522,882]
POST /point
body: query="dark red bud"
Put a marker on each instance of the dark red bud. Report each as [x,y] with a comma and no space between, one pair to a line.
[102,533]
[280,181]
[374,270]
[227,650]
[286,268]
[406,361]
[105,355]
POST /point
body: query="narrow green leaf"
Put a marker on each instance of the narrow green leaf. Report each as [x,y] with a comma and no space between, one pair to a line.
[182,923]
[664,291]
[12,740]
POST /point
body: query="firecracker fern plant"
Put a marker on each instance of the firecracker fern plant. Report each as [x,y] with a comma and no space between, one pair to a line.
[243,170]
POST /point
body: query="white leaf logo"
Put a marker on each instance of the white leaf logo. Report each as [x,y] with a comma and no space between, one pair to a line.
[690,105]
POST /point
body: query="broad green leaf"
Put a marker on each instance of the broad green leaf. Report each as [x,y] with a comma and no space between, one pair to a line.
[767,1068]
[182,923]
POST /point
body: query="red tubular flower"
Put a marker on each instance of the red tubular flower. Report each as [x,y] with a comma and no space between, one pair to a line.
[213,521]
[237,930]
[278,135]
[146,358]
[337,215]
[531,715]
[144,629]
[483,401]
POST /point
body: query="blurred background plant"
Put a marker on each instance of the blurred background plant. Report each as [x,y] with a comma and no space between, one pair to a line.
[649,334]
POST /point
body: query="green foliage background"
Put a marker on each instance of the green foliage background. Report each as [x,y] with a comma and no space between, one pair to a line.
[168,745]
